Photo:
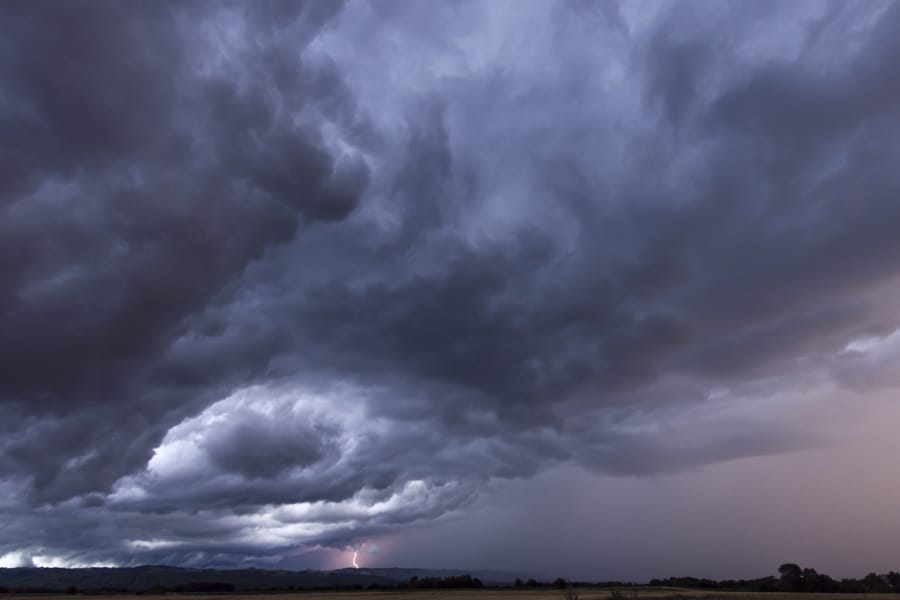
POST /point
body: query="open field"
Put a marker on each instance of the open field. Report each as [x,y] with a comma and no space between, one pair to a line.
[541,594]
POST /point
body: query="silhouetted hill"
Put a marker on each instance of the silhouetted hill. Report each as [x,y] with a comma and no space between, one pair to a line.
[150,577]
[184,579]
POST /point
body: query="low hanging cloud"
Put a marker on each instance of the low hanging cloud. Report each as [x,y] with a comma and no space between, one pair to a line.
[298,274]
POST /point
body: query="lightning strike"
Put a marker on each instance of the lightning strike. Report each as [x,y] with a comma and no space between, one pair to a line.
[355,564]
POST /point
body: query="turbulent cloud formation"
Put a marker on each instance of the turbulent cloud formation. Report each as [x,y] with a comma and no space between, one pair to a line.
[285,275]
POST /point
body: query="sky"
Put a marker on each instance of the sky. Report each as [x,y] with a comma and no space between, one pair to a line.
[590,289]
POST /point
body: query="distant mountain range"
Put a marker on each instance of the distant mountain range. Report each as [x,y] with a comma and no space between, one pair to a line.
[149,577]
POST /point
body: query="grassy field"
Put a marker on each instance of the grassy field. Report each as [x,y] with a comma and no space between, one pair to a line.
[540,594]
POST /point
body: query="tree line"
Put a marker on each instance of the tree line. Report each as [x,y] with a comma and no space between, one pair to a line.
[792,578]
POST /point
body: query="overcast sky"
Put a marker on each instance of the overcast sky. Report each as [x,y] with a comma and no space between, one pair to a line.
[571,288]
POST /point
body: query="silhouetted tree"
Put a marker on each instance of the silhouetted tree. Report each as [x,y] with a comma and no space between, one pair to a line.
[875,584]
[894,581]
[791,577]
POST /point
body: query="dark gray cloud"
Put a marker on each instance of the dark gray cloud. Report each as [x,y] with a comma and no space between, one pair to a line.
[290,274]
[144,177]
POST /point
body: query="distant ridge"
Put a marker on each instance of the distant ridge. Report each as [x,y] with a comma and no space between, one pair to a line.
[488,576]
[149,577]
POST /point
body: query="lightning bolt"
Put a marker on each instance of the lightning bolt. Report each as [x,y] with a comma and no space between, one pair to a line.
[355,564]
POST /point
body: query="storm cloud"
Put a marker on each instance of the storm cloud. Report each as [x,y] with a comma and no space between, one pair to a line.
[287,275]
